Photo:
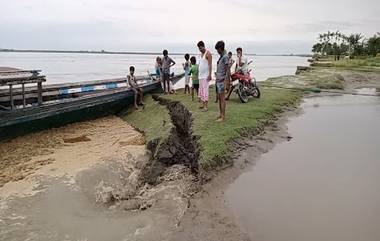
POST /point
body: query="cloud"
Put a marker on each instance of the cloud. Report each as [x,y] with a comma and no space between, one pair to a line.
[146,24]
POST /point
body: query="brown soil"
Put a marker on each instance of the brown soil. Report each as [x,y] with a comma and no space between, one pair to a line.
[22,156]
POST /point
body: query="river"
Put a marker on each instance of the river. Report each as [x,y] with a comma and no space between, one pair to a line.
[70,67]
[323,184]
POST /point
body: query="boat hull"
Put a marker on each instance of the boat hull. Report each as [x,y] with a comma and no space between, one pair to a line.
[63,112]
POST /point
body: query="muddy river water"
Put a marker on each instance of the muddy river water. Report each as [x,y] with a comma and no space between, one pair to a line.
[324,183]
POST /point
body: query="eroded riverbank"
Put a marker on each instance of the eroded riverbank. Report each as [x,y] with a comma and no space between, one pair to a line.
[107,193]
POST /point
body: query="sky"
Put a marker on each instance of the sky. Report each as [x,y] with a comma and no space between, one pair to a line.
[260,26]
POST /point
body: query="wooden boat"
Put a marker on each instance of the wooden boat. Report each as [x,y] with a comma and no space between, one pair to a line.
[77,102]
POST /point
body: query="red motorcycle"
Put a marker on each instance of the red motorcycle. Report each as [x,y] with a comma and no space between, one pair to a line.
[245,86]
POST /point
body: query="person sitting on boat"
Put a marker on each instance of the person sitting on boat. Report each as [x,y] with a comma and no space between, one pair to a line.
[138,92]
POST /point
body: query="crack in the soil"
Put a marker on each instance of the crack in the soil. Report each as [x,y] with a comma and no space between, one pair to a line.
[180,147]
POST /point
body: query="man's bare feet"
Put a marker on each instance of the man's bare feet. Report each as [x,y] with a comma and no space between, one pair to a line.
[136,107]
[220,119]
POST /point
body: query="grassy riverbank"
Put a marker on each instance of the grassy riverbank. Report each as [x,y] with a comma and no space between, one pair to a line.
[322,78]
[367,64]
[214,137]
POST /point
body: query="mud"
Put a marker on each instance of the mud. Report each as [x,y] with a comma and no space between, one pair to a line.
[91,188]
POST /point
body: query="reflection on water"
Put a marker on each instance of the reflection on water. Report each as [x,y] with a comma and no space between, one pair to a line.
[63,67]
[324,183]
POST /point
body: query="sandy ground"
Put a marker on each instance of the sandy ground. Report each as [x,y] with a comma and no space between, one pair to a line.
[67,150]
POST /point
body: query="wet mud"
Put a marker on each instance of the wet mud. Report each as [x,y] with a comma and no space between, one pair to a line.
[92,187]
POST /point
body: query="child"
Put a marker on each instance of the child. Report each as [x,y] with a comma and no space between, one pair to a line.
[135,87]
[194,71]
[158,67]
[186,67]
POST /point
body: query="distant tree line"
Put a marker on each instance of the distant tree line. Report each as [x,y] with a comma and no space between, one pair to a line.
[353,45]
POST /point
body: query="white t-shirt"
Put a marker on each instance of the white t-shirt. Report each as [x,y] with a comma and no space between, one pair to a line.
[242,64]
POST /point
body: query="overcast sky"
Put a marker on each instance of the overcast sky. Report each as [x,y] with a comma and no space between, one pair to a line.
[260,26]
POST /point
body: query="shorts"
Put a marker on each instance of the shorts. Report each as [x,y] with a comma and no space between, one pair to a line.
[187,79]
[196,87]
[136,90]
[220,87]
[165,76]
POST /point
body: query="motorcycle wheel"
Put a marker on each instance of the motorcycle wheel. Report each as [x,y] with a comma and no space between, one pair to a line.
[243,96]
[256,93]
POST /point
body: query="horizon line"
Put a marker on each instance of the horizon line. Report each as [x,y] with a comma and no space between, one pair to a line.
[128,52]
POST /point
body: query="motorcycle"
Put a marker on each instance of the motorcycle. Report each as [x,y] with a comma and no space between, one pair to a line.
[244,85]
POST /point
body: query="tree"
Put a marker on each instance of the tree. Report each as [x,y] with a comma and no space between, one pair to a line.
[332,43]
[355,46]
[338,44]
[317,48]
[373,45]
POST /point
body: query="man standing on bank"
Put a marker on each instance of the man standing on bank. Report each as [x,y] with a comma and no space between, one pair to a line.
[167,62]
[222,73]
[205,70]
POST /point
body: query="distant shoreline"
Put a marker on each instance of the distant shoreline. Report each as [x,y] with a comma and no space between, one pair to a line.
[121,52]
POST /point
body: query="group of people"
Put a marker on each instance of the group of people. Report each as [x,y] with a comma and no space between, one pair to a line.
[200,71]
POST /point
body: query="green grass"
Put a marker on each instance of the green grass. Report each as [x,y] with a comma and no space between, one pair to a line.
[359,64]
[369,64]
[317,78]
[153,120]
[240,119]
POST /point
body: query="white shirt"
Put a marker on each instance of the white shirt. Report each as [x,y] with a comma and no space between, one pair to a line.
[242,64]
[203,66]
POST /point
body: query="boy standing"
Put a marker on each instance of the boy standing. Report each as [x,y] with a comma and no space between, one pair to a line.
[167,62]
[222,73]
[135,87]
[158,68]
[186,67]
[194,71]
